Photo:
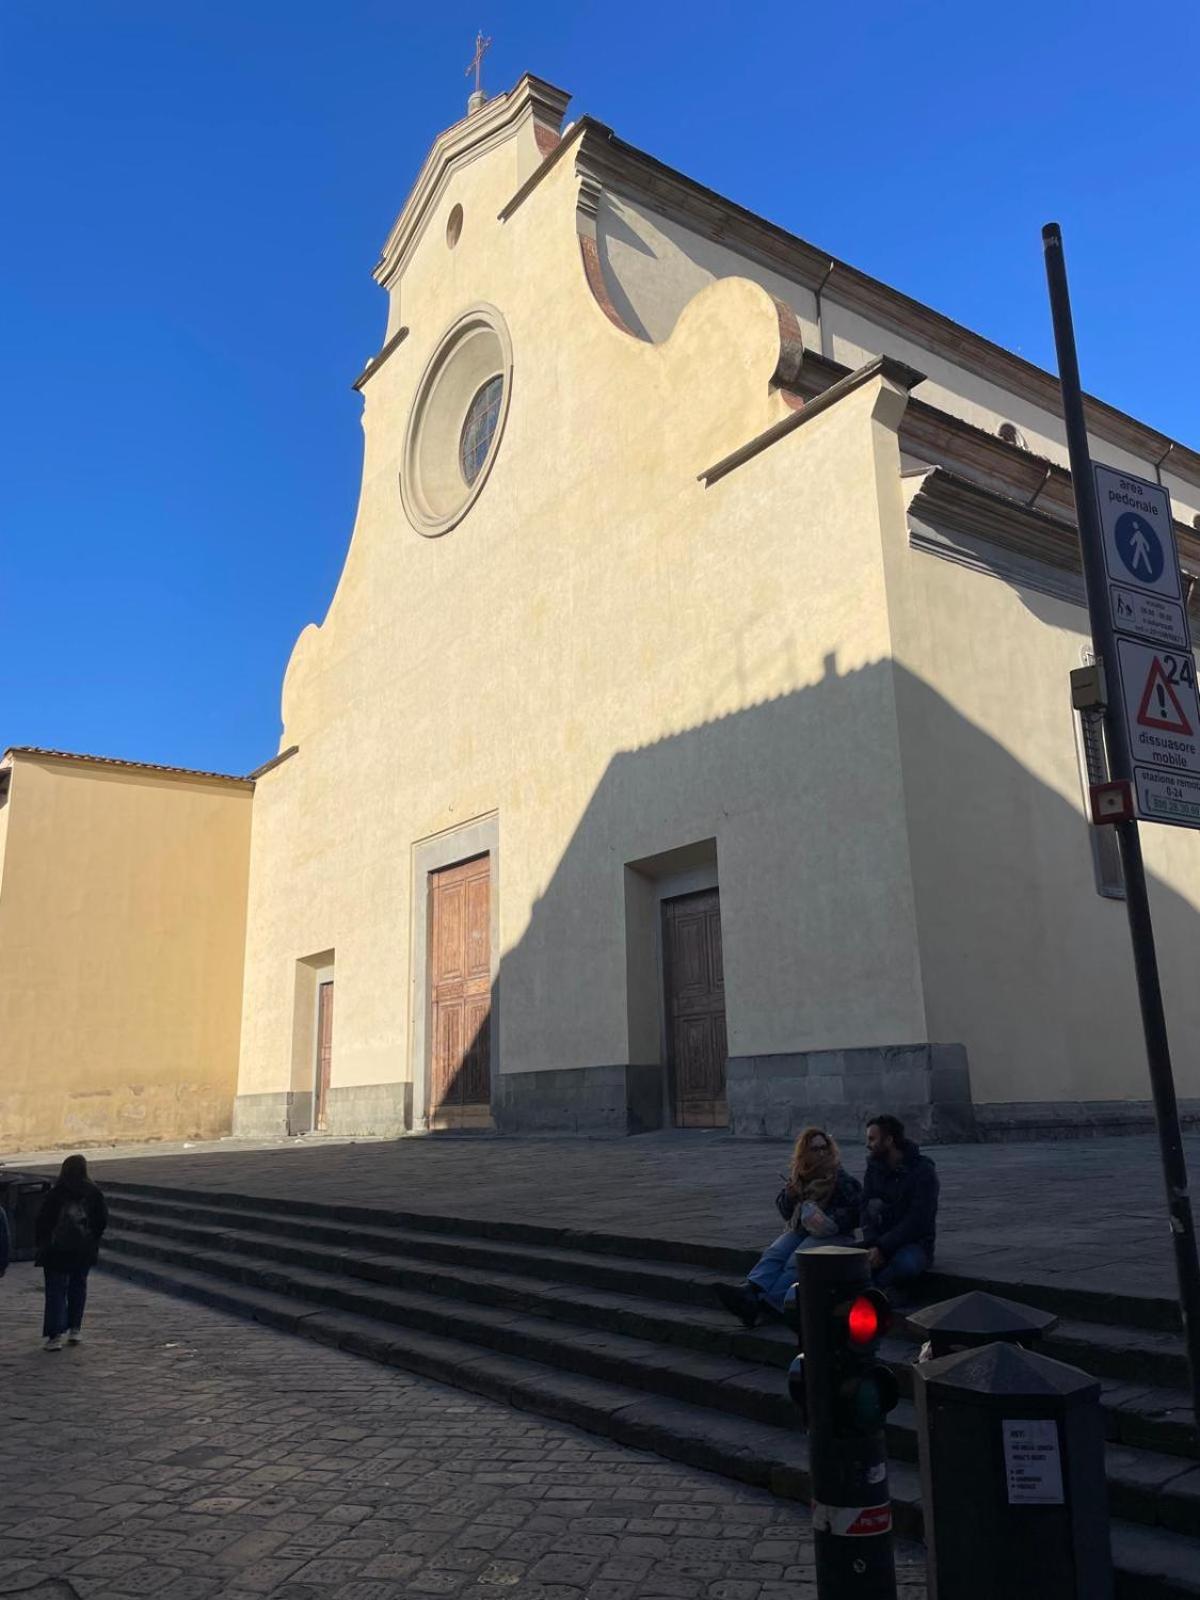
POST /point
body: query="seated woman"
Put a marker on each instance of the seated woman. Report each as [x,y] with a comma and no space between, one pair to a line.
[820,1204]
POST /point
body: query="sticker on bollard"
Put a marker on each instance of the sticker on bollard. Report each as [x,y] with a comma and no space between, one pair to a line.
[852,1522]
[1033,1464]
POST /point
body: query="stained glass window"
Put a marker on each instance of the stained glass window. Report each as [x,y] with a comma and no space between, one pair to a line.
[480,425]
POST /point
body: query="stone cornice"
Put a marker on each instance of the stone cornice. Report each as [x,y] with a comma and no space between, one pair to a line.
[1015,475]
[882,367]
[568,142]
[623,168]
[376,361]
[467,140]
[948,500]
[962,521]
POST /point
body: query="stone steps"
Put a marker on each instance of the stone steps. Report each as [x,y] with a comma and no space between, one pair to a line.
[543,1324]
[1140,1413]
[1132,1353]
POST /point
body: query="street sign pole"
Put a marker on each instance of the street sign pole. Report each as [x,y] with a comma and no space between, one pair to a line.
[1137,900]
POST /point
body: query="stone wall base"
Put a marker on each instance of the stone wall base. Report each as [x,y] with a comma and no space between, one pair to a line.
[927,1086]
[1073,1119]
[262,1116]
[379,1110]
[592,1100]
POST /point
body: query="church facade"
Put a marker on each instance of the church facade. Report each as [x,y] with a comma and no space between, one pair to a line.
[689,738]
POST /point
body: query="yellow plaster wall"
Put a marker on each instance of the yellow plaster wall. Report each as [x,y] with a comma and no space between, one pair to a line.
[122,932]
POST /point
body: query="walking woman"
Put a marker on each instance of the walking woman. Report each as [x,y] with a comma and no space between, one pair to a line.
[820,1205]
[68,1231]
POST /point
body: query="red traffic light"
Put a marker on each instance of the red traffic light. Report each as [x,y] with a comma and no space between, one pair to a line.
[868,1318]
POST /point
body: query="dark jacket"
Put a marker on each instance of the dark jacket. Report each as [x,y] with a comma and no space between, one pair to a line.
[899,1204]
[5,1242]
[85,1196]
[841,1208]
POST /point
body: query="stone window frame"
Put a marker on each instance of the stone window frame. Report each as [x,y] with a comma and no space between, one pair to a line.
[474,348]
[481,836]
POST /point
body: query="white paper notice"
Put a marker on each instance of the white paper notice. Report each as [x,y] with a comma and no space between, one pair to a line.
[1033,1464]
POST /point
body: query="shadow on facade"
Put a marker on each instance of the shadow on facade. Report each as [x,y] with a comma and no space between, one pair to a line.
[909,922]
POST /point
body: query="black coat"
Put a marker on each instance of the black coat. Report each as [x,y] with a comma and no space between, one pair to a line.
[899,1204]
[56,1258]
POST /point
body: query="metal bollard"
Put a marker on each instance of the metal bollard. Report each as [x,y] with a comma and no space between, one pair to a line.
[21,1195]
[1012,1477]
[970,1320]
[846,1394]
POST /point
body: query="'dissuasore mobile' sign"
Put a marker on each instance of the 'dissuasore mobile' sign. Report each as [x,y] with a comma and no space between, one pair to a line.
[1155,666]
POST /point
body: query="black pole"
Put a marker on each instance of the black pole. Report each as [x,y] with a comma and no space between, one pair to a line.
[1137,899]
[847,1455]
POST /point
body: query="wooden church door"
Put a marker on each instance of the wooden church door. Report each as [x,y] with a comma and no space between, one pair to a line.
[460,967]
[695,1004]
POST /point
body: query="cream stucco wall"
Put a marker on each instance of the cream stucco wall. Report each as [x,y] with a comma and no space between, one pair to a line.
[122,918]
[1022,959]
[613,660]
[610,662]
[655,264]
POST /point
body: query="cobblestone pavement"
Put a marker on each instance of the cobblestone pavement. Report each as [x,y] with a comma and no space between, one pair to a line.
[1089,1213]
[180,1454]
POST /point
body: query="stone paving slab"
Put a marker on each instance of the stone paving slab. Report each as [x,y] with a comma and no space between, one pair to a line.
[183,1455]
[1081,1213]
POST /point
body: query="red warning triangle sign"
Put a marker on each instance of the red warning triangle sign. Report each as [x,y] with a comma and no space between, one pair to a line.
[1160,707]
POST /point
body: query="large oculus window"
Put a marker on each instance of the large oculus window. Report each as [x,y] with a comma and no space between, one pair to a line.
[456,422]
[479,428]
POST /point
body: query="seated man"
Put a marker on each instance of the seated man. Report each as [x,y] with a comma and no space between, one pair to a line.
[899,1205]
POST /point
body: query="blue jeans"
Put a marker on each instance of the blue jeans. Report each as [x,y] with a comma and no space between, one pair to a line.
[909,1262]
[774,1273]
[66,1296]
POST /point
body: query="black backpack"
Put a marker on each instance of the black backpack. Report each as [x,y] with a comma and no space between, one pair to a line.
[72,1232]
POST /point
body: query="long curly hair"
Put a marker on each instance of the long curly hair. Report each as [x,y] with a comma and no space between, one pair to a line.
[814,1170]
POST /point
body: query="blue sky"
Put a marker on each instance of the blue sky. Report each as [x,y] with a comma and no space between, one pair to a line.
[195,191]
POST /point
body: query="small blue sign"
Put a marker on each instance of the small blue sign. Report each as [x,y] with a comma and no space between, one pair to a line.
[1139,547]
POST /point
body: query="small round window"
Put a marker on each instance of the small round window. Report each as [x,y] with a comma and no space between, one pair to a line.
[479,428]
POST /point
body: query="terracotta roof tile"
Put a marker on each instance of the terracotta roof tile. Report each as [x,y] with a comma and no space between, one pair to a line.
[114,761]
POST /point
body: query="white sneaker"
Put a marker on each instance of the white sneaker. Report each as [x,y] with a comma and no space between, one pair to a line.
[75,1336]
[56,1343]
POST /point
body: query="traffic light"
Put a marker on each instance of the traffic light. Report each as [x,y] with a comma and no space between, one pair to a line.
[845,1394]
[864,1389]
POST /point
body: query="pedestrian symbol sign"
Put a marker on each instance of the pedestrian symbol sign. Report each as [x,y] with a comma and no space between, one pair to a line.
[1139,547]
[1160,707]
[1138,538]
[1153,646]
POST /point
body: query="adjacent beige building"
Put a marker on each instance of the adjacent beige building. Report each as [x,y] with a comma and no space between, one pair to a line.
[122,931]
[689,739]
